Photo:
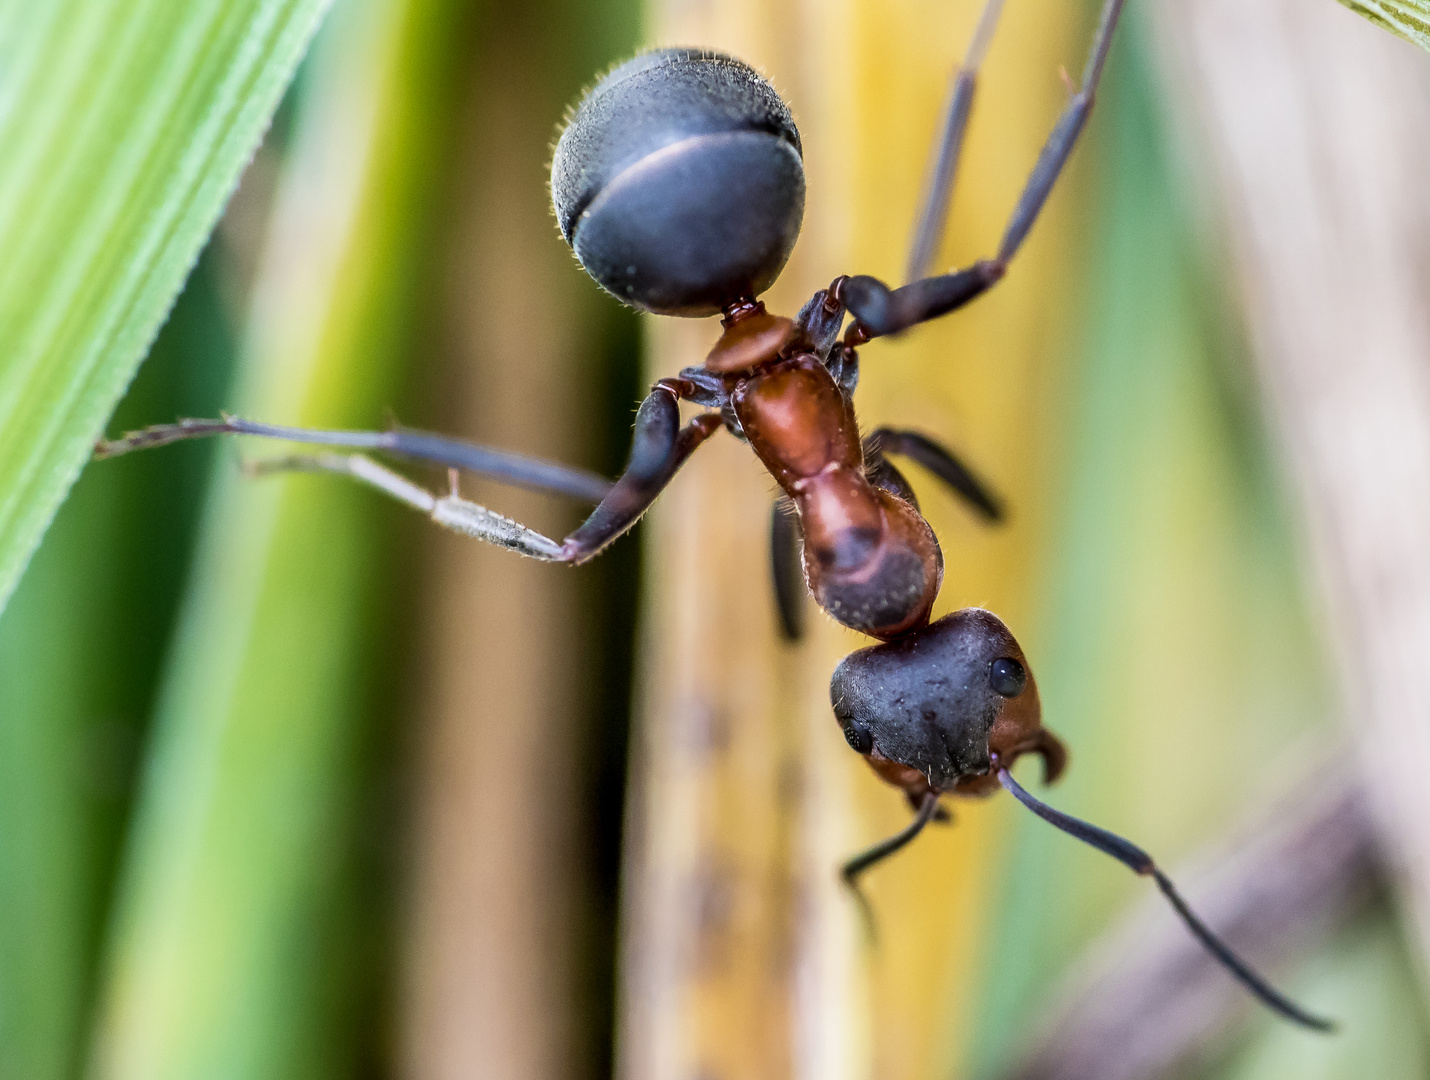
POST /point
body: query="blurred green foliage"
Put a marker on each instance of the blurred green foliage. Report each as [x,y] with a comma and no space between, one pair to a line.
[1177,652]
[82,644]
[1365,975]
[125,127]
[249,931]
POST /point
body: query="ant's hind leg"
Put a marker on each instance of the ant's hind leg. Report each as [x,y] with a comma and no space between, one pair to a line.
[786,569]
[1059,146]
[534,474]
[879,310]
[451,511]
[943,168]
[940,461]
[659,446]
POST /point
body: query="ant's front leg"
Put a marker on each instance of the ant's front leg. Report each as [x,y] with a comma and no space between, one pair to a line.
[851,871]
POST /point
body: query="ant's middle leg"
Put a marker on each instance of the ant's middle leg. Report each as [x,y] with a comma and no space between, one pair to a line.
[787,568]
[879,310]
[937,459]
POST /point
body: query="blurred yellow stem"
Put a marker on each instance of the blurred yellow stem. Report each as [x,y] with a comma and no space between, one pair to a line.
[742,957]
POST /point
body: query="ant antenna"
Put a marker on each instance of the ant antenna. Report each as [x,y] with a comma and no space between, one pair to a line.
[1137,860]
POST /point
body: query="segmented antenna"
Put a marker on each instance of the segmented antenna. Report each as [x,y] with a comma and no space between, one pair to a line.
[1137,860]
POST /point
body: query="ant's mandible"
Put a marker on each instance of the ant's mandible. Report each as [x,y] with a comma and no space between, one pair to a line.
[679,185]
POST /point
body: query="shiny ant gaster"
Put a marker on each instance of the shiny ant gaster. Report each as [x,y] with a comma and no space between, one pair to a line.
[679,185]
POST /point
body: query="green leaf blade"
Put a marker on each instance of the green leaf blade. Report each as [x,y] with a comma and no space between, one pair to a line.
[125,133]
[245,940]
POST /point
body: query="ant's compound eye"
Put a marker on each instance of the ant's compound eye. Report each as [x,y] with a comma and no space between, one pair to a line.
[1007,676]
[859,737]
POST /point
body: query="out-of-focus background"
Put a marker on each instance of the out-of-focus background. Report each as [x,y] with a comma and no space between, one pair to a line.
[294,785]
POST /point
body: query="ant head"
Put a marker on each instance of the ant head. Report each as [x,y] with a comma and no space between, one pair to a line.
[933,710]
[679,182]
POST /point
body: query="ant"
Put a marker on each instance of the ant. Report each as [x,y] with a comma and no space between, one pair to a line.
[678,182]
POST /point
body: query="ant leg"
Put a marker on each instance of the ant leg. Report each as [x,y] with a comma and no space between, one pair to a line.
[856,866]
[1059,146]
[820,321]
[787,569]
[879,310]
[450,511]
[659,446]
[882,473]
[518,470]
[845,369]
[938,188]
[940,461]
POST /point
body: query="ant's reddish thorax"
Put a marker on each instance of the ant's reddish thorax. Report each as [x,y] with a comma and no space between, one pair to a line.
[797,420]
[870,559]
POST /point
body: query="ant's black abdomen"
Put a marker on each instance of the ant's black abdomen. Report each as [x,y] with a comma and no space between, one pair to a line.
[679,182]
